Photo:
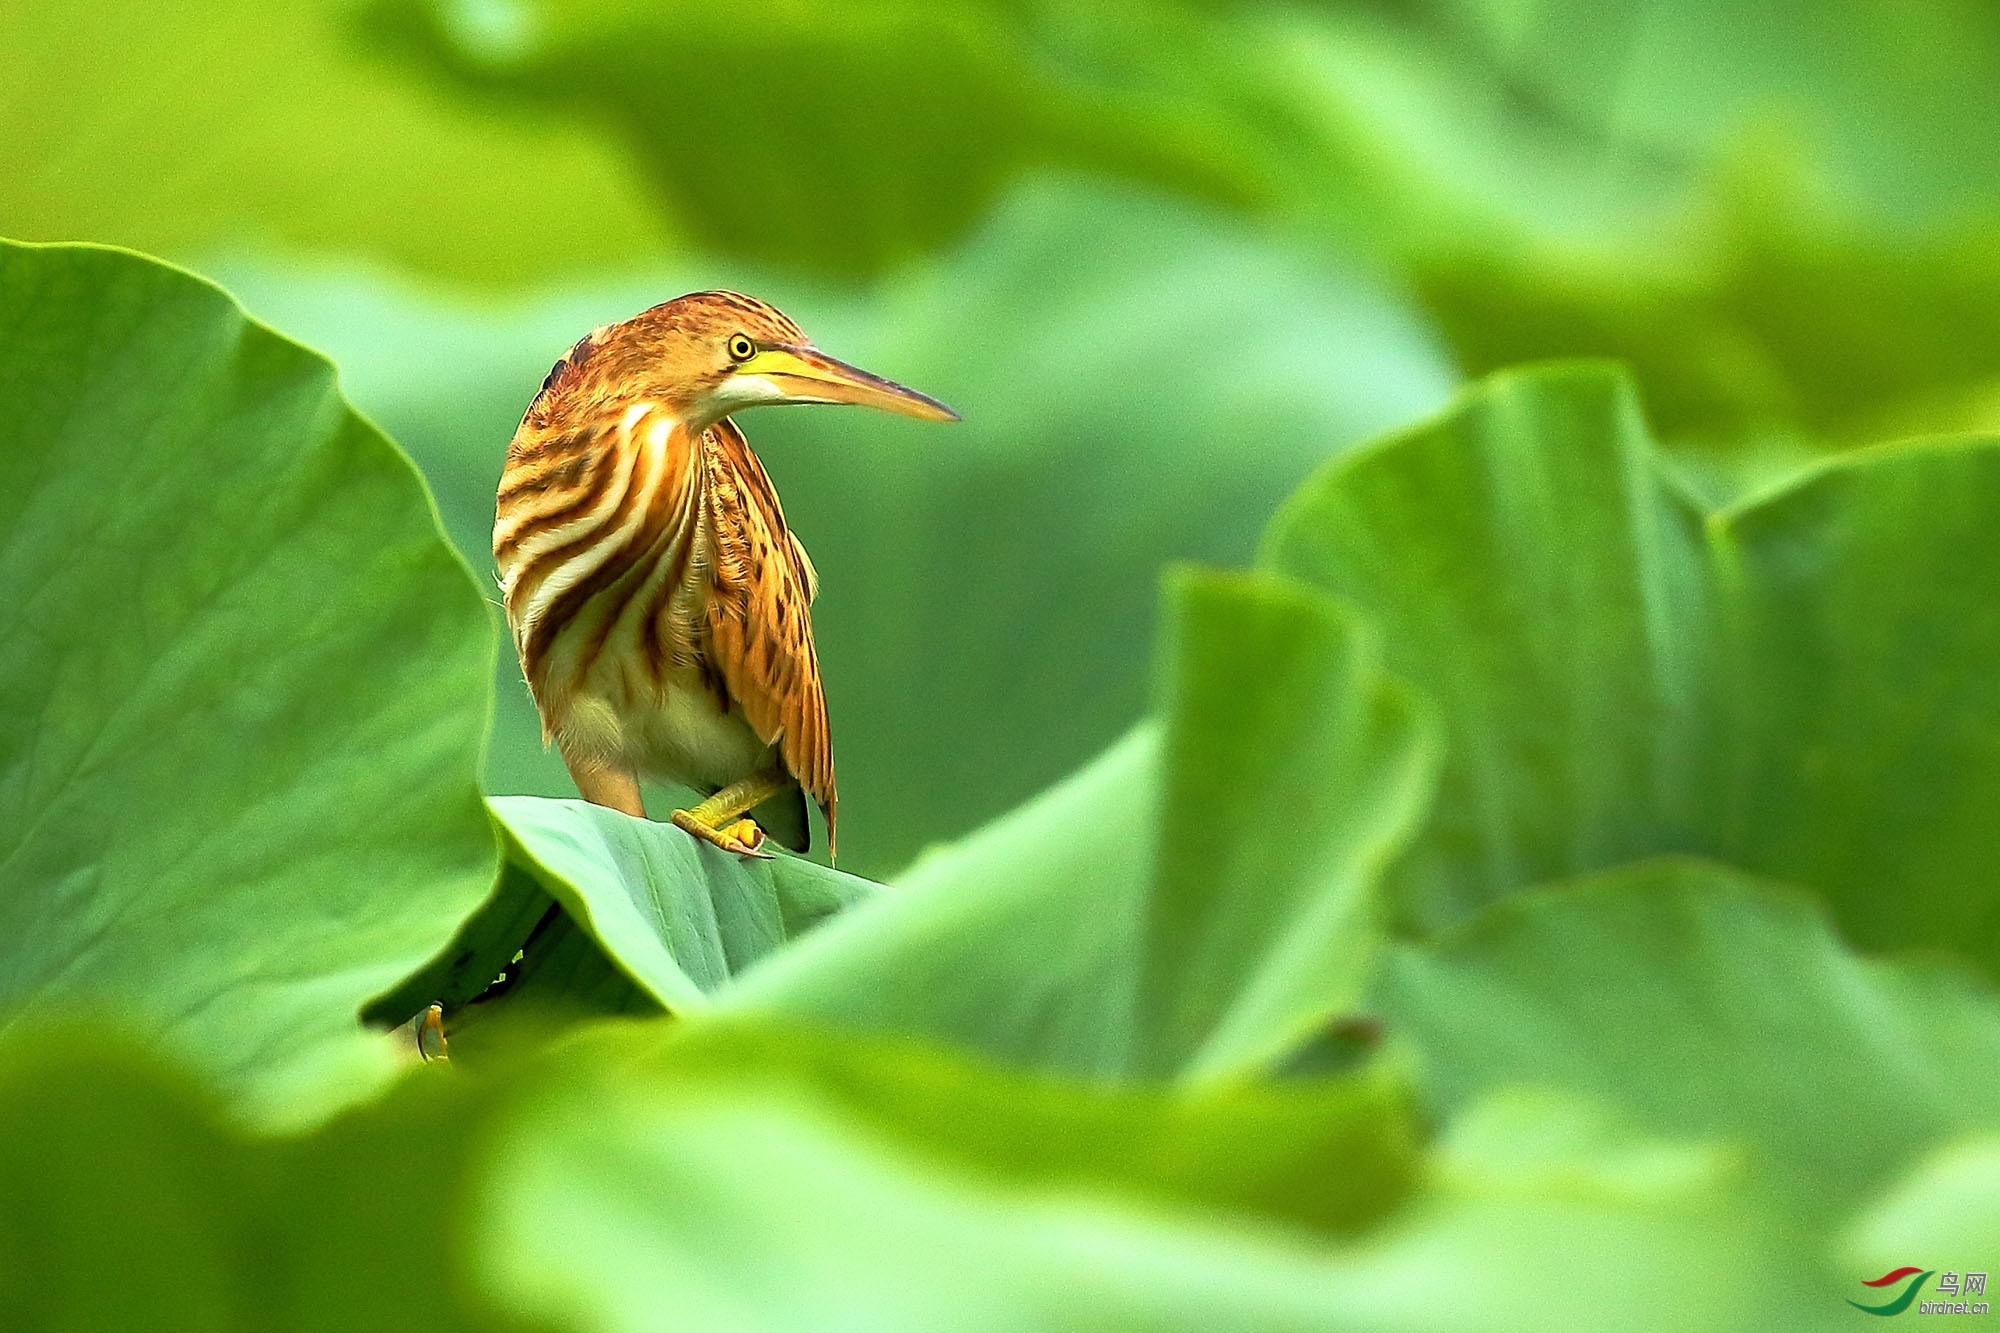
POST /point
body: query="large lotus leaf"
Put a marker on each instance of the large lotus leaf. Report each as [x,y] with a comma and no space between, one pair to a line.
[853,137]
[242,678]
[127,1201]
[777,1179]
[637,1215]
[1709,1006]
[1190,905]
[1806,684]
[1528,1188]
[972,576]
[749,1203]
[189,128]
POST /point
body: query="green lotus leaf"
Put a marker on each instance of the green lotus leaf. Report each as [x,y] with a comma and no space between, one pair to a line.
[1708,1006]
[633,1178]
[677,916]
[1805,684]
[242,681]
[630,1205]
[126,1198]
[1017,941]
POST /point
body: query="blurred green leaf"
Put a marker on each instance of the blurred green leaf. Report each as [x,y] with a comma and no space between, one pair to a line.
[1888,107]
[1072,935]
[842,138]
[628,1179]
[1334,1154]
[1945,1209]
[1796,326]
[751,1200]
[128,1201]
[191,129]
[633,1211]
[1545,1209]
[1804,684]
[988,589]
[85,1155]
[1781,214]
[1709,1006]
[242,681]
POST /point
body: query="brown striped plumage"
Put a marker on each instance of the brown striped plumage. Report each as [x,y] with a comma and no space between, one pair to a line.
[659,602]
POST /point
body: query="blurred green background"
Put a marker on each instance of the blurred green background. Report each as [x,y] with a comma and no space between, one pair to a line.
[1163,257]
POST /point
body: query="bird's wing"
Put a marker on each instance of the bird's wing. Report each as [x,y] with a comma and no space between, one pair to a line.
[759,625]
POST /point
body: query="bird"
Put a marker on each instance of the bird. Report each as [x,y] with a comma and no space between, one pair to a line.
[659,603]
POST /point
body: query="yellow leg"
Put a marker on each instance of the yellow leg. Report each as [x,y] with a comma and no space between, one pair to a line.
[716,821]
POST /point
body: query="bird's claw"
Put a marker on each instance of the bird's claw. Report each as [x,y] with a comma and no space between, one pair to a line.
[745,837]
[742,837]
[431,1043]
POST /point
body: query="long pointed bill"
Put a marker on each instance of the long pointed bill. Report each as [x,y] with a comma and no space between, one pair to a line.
[807,375]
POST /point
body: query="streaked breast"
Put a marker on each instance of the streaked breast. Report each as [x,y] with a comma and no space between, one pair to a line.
[593,538]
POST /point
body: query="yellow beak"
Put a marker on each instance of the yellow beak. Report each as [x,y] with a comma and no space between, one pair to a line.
[808,375]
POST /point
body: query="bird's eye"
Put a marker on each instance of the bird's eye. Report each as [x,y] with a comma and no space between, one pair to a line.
[741,348]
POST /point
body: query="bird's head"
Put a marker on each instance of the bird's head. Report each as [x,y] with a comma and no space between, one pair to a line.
[708,354]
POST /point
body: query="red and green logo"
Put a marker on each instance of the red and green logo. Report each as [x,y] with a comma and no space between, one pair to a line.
[1916,1279]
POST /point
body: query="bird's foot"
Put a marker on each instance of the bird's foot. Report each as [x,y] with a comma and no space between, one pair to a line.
[742,837]
[431,1043]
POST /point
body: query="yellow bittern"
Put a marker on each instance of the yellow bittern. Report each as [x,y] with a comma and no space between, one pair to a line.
[658,601]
